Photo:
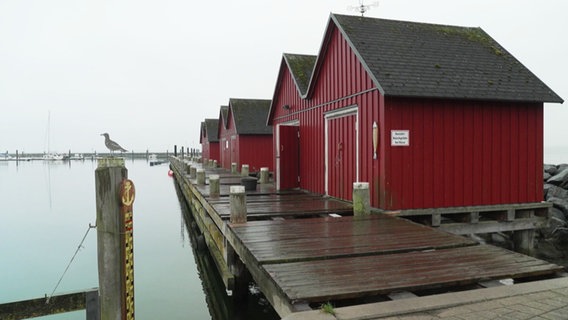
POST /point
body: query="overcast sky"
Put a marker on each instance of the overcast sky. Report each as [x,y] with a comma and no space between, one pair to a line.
[148,72]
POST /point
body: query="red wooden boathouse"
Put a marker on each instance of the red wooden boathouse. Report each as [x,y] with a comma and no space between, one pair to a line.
[432,116]
[245,138]
[209,139]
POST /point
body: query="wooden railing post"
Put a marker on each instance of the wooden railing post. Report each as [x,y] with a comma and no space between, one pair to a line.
[201,177]
[245,170]
[108,177]
[264,175]
[214,185]
[361,199]
[238,201]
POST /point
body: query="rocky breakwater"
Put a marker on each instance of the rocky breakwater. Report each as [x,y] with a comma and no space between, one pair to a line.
[552,242]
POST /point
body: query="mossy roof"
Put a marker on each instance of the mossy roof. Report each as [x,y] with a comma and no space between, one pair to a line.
[250,116]
[301,67]
[427,60]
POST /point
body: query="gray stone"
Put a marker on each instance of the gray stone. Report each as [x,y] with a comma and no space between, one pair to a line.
[547,250]
[552,225]
[559,203]
[553,191]
[560,237]
[550,169]
[559,179]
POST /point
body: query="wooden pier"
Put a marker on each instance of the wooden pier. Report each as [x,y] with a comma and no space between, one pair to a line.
[304,249]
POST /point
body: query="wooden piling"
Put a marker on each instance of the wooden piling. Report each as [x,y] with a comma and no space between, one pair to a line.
[214,163]
[234,167]
[201,177]
[238,201]
[245,170]
[264,175]
[523,240]
[214,185]
[361,199]
[193,172]
[108,177]
[188,168]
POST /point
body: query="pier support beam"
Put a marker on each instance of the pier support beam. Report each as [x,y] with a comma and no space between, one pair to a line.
[238,200]
[523,240]
[214,185]
[361,199]
[264,175]
[201,177]
[108,176]
[234,167]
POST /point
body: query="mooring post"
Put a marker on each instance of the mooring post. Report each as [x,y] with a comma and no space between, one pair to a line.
[214,185]
[201,177]
[264,175]
[214,163]
[238,201]
[245,170]
[108,177]
[188,169]
[234,167]
[210,163]
[361,199]
[175,150]
[192,172]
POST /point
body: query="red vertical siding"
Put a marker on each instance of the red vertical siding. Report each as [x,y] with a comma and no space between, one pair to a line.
[464,153]
[256,151]
[342,82]
[214,151]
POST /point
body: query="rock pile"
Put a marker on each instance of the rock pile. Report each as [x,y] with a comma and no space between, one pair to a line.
[553,239]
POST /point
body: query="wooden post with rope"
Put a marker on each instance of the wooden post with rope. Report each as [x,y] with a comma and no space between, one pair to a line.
[114,198]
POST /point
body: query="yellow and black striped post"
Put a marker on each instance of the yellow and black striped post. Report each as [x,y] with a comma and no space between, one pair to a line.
[127,195]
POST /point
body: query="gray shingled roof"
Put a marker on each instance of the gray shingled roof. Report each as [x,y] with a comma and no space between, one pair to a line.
[250,115]
[212,130]
[426,60]
[224,114]
[301,67]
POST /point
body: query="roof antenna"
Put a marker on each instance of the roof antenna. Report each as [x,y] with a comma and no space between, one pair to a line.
[362,8]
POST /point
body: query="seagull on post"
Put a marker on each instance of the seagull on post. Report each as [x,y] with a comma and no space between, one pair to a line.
[111,145]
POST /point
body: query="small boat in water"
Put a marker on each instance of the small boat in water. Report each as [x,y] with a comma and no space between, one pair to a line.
[153,160]
[52,156]
[5,157]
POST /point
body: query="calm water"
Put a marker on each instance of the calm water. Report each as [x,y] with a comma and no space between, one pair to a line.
[46,210]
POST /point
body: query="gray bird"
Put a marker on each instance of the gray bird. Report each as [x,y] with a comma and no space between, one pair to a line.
[111,145]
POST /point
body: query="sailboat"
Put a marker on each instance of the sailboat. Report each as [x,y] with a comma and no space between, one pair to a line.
[49,156]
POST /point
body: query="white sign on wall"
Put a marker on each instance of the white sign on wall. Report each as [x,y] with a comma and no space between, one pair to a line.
[400,138]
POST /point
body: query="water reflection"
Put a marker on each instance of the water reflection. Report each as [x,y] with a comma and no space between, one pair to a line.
[221,306]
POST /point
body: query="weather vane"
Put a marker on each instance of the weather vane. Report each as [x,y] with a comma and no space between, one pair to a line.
[362,8]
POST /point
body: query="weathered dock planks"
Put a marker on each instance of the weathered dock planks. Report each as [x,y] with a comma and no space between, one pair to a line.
[310,257]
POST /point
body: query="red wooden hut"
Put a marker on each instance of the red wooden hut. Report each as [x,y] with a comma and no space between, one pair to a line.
[431,116]
[245,137]
[209,139]
[224,152]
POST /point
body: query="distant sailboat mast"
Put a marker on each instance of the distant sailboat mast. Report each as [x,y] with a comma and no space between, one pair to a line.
[48,155]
